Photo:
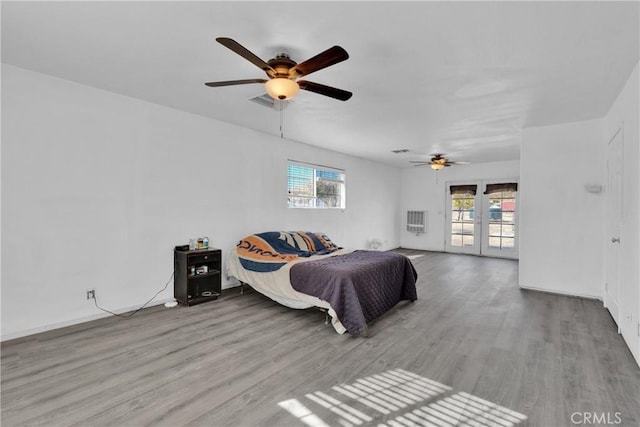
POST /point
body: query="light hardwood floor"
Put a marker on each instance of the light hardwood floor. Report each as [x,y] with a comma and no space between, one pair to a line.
[474,347]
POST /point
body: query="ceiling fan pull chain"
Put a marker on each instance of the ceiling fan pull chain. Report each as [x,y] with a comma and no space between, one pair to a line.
[281,120]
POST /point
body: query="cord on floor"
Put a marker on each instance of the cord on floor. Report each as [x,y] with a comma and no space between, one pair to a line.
[126,316]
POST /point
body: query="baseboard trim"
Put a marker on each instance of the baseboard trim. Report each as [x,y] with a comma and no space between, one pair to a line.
[33,331]
[555,292]
[442,251]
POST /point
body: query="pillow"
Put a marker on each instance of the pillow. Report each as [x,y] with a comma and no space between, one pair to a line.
[326,242]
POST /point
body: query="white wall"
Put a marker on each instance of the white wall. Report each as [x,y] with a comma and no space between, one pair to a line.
[424,189]
[625,113]
[561,224]
[97,188]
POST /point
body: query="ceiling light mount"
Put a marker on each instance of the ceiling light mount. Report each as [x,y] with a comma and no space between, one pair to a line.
[282,63]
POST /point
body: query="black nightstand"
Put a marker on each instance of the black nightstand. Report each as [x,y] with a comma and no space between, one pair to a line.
[197,275]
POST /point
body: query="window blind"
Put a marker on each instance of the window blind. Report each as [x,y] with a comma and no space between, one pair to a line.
[314,186]
[505,186]
[300,180]
[463,189]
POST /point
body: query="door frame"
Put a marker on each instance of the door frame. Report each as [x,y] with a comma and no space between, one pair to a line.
[481,217]
[611,292]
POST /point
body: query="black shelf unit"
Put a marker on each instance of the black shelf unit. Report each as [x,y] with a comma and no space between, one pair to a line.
[189,288]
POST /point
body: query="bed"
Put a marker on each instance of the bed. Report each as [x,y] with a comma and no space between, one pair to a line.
[304,269]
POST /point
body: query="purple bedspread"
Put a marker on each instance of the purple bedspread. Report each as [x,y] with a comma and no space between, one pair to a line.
[360,286]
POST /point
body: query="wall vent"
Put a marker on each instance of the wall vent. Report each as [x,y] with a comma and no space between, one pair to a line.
[417,221]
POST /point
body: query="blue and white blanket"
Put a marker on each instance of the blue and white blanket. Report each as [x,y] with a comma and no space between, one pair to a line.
[269,251]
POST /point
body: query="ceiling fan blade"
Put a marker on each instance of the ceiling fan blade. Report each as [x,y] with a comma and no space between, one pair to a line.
[322,60]
[246,54]
[460,163]
[235,82]
[420,162]
[332,92]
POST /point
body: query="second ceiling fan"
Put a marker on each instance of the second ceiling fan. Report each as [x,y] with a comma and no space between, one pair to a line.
[437,162]
[283,72]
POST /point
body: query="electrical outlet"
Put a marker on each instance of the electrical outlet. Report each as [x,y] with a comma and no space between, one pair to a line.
[91,294]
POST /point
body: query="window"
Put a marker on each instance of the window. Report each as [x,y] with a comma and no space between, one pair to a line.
[314,186]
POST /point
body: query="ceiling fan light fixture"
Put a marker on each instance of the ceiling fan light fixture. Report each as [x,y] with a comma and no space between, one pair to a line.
[282,88]
[437,166]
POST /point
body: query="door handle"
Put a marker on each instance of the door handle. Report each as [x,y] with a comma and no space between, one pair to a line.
[615,240]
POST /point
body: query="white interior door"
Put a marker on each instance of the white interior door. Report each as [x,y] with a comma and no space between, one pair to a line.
[614,217]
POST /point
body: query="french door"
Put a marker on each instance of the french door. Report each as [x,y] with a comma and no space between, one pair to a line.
[482,218]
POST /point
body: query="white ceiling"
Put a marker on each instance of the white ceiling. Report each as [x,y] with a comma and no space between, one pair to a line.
[461,78]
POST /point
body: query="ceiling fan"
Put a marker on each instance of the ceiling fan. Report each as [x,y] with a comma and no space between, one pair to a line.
[283,72]
[437,162]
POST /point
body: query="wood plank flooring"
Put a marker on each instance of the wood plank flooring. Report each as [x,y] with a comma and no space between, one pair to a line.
[473,350]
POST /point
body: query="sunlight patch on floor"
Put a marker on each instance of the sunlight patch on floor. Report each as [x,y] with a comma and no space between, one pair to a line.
[398,398]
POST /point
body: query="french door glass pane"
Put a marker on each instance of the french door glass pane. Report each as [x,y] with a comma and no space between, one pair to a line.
[462,222]
[507,242]
[502,206]
[467,241]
